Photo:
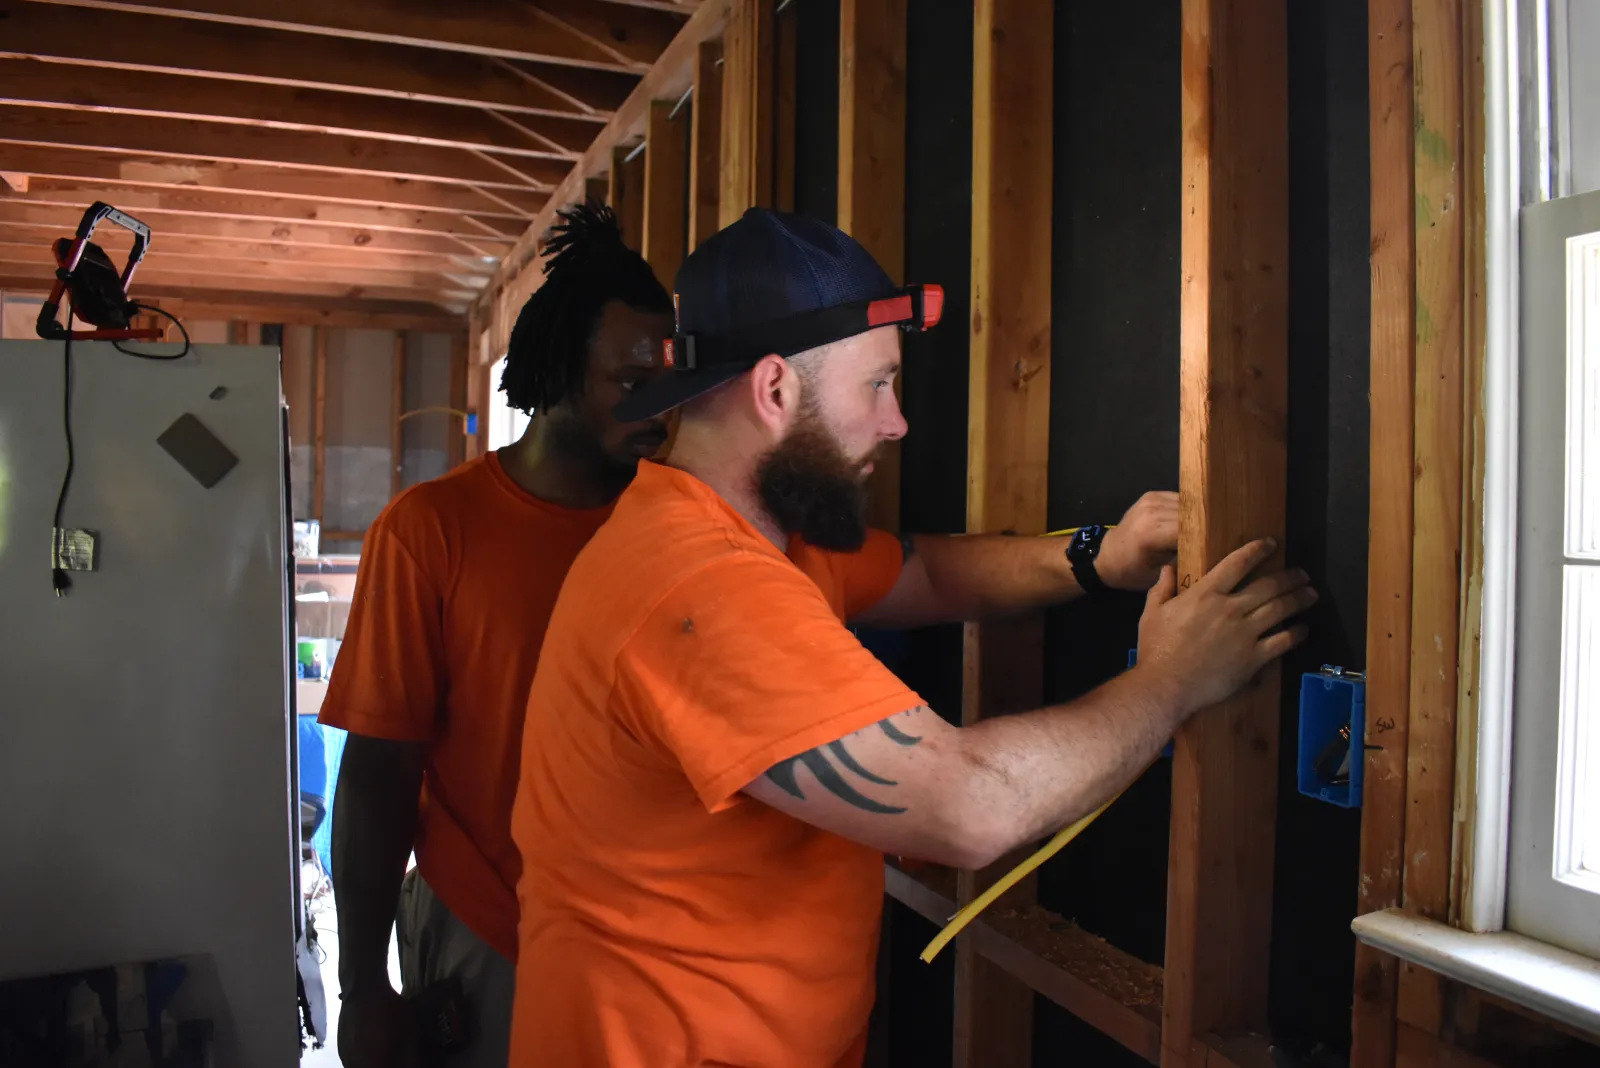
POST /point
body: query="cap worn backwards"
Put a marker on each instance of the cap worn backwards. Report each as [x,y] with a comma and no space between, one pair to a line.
[750,290]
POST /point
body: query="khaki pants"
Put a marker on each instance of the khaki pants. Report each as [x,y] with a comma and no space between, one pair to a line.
[433,945]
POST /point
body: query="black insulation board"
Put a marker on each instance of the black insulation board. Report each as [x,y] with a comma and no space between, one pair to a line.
[816,120]
[933,457]
[1318,845]
[1114,402]
[1114,434]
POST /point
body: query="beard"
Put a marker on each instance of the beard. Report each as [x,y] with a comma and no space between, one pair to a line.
[811,488]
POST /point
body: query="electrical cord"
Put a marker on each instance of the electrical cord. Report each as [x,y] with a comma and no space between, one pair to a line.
[58,574]
[59,578]
[151,308]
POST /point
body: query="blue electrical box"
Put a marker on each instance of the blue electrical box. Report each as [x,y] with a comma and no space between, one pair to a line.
[1333,716]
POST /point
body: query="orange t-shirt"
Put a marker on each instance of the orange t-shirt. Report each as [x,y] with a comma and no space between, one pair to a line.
[666,918]
[457,581]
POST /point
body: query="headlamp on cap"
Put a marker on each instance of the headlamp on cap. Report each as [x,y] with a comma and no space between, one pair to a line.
[916,307]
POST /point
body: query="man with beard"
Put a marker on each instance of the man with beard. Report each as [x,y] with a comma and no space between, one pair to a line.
[713,766]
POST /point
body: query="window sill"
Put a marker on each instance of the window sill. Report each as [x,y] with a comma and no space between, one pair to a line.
[1562,985]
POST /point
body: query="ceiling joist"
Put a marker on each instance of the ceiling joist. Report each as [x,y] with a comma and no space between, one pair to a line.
[60,222]
[122,41]
[187,139]
[160,263]
[347,154]
[170,247]
[68,204]
[226,305]
[209,177]
[150,282]
[566,35]
[30,82]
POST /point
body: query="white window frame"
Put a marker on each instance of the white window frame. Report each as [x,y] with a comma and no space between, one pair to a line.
[1551,895]
[1514,788]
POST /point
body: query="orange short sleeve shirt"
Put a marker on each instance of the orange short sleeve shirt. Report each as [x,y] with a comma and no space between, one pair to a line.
[457,580]
[666,918]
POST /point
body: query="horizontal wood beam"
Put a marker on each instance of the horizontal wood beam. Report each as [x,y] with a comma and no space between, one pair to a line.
[44,203]
[671,76]
[509,31]
[270,267]
[1112,991]
[685,7]
[333,153]
[169,246]
[200,178]
[120,92]
[60,221]
[150,282]
[213,304]
[276,57]
[631,33]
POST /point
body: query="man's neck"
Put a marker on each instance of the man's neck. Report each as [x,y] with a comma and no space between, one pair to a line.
[733,479]
[546,472]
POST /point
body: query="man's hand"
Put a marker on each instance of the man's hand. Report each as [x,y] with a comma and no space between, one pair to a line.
[376,1030]
[1135,550]
[1208,642]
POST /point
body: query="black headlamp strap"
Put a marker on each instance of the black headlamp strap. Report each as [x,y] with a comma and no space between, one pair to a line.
[795,333]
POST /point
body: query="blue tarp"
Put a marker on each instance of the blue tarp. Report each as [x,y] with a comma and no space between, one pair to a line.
[321,749]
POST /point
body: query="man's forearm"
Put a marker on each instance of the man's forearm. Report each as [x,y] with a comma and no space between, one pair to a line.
[1034,773]
[374,827]
[978,576]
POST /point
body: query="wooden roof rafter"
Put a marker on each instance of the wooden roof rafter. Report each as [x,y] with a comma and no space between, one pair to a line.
[135,42]
[334,152]
[560,32]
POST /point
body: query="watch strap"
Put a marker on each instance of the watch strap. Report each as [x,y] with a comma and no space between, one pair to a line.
[1082,550]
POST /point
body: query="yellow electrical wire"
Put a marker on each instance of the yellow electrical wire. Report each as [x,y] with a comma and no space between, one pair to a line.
[434,408]
[1008,880]
[1021,871]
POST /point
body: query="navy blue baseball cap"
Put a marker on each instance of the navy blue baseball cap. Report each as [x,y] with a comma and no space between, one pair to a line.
[772,283]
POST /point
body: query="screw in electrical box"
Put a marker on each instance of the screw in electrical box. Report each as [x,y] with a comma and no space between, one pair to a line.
[75,550]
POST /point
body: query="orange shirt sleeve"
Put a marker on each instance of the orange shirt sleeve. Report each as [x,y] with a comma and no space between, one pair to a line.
[388,679]
[743,665]
[871,572]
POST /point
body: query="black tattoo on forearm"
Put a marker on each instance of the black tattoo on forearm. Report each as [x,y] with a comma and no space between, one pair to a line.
[899,736]
[785,774]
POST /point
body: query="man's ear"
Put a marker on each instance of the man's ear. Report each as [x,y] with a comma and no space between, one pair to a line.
[775,390]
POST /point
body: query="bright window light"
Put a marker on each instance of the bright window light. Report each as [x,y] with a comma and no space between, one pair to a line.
[1577,832]
[1583,397]
[1577,837]
[506,424]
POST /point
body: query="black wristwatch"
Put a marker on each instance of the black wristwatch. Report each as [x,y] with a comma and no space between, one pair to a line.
[1081,553]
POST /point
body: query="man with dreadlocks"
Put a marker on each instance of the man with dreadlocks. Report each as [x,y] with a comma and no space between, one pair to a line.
[458,578]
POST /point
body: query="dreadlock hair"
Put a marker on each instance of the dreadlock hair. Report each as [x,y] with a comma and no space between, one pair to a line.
[587,264]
